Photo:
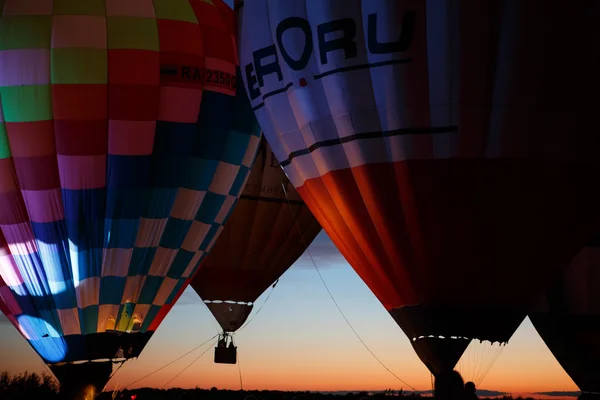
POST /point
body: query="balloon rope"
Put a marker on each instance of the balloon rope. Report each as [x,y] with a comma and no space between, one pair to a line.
[240,372]
[166,365]
[189,365]
[260,308]
[333,299]
[115,373]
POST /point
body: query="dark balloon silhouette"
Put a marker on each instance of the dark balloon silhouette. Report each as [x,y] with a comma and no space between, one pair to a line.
[568,319]
[267,232]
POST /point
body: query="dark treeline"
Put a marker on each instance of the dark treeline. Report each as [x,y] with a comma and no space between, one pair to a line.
[27,386]
[215,394]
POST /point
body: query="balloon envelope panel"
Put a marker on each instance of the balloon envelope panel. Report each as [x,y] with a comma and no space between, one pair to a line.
[123,148]
[268,231]
[435,142]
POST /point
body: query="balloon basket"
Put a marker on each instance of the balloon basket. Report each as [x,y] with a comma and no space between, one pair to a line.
[226,355]
[226,351]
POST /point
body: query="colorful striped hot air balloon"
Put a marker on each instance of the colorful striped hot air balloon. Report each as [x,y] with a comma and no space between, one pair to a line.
[268,231]
[123,148]
[447,147]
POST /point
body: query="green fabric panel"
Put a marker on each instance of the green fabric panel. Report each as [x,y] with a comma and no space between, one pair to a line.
[26,32]
[88,320]
[79,65]
[178,10]
[26,103]
[4,146]
[132,33]
[125,315]
[80,7]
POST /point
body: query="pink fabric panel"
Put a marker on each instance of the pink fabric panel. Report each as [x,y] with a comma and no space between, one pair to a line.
[82,172]
[44,205]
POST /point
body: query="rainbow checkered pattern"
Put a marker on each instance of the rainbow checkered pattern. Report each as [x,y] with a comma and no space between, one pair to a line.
[123,149]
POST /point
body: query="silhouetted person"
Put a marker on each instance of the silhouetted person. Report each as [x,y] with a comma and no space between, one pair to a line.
[470,391]
[449,385]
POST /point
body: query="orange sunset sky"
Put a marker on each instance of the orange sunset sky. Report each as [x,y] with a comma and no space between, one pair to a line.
[299,341]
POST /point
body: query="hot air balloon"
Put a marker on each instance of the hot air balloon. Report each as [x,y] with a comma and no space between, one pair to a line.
[446,147]
[123,149]
[267,232]
[568,319]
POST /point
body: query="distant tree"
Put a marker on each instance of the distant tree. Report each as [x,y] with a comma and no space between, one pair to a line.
[27,386]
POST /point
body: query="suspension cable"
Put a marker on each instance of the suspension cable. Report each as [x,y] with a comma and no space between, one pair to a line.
[118,369]
[333,299]
[175,360]
[240,372]
[190,364]
[261,306]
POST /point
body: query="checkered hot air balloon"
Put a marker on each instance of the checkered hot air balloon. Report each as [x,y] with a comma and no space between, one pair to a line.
[449,148]
[123,148]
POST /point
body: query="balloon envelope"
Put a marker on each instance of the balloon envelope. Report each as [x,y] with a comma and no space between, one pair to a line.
[267,232]
[122,150]
[568,319]
[446,147]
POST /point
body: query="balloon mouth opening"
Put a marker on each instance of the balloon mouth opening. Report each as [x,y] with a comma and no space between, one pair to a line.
[83,380]
[441,337]
[114,360]
[241,303]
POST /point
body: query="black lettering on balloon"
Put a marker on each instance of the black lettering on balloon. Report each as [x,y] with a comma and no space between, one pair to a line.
[403,42]
[304,26]
[197,74]
[252,82]
[185,73]
[263,70]
[348,28]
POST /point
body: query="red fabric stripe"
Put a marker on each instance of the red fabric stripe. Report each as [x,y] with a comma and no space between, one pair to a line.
[166,308]
[31,139]
[37,173]
[180,37]
[226,12]
[8,176]
[133,67]
[217,44]
[80,102]
[133,102]
[211,15]
[12,208]
[454,231]
[75,138]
